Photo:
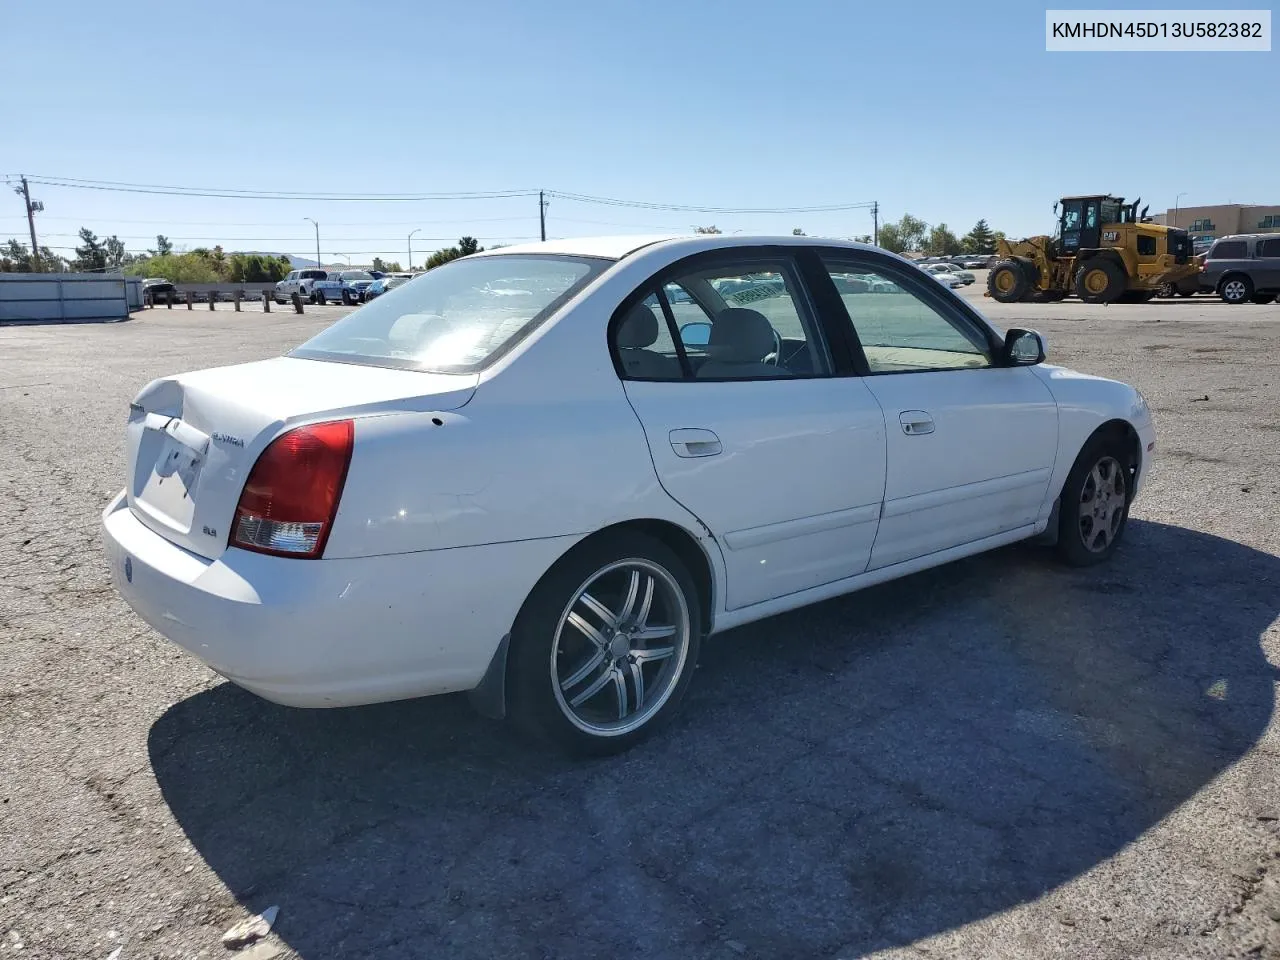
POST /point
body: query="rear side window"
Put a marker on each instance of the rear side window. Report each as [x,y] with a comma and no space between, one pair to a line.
[1229,250]
[1269,248]
[743,319]
[456,318]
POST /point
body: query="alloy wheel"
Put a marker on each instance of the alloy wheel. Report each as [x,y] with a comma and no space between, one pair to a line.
[1103,500]
[620,647]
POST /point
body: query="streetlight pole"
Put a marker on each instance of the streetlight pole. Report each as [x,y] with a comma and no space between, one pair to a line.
[1175,208]
[419,230]
[319,265]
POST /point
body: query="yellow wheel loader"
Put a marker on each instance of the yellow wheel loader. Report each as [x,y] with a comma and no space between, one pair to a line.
[1103,251]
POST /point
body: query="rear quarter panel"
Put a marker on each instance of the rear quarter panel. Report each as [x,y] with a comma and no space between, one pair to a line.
[547,447]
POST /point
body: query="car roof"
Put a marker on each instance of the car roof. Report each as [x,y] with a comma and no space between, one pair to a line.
[617,247]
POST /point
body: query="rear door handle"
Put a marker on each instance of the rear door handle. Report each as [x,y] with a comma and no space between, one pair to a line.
[915,422]
[695,442]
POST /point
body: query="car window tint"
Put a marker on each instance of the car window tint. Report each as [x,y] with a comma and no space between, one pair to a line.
[1229,250]
[1269,248]
[747,321]
[901,332]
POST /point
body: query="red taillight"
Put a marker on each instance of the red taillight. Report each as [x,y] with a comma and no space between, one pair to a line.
[291,496]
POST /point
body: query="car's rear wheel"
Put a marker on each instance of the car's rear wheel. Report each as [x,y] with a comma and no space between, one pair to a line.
[604,648]
[1236,289]
[318,297]
[1093,510]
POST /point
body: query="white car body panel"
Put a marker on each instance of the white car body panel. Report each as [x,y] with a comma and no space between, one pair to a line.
[464,490]
[983,467]
[813,452]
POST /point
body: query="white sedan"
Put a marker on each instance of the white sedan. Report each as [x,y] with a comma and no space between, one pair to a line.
[543,474]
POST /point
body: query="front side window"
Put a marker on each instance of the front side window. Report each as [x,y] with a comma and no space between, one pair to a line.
[742,321]
[458,317]
[899,331]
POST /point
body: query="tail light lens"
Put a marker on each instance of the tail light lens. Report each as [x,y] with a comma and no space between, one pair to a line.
[290,499]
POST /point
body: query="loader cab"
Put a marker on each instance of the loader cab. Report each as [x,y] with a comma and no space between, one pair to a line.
[1081,219]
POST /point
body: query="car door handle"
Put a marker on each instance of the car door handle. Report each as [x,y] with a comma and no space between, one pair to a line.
[691,442]
[915,422]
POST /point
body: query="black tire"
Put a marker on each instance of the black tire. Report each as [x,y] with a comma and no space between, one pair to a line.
[346,298]
[536,694]
[1110,290]
[1264,298]
[1081,530]
[1236,288]
[1008,282]
[318,298]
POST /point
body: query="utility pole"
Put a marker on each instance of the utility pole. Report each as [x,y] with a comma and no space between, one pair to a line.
[542,214]
[31,222]
[875,222]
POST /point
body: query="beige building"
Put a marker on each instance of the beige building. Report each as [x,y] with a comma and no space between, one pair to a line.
[1207,223]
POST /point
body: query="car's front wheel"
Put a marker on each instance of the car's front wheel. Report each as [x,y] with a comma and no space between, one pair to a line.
[604,647]
[1094,507]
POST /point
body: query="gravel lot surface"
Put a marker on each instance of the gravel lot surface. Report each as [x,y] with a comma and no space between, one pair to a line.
[1002,758]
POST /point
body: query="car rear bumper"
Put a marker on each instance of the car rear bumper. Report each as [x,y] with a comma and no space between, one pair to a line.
[329,633]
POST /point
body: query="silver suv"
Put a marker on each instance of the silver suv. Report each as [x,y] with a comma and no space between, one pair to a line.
[1243,267]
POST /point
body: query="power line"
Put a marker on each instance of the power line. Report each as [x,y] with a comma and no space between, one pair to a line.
[691,208]
[225,240]
[239,194]
[285,223]
[247,194]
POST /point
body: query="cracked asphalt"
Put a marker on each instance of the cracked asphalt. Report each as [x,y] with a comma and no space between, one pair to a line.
[1001,758]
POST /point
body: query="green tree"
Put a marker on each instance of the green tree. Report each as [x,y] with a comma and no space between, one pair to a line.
[865,238]
[90,255]
[464,247]
[163,246]
[710,229]
[116,255]
[16,258]
[177,267]
[981,239]
[942,242]
[907,234]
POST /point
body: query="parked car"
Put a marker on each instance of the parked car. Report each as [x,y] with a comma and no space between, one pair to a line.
[944,277]
[298,281]
[348,286]
[449,490]
[385,283]
[972,262]
[158,289]
[947,267]
[1243,268]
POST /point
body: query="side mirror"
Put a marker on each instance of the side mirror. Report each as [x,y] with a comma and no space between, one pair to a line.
[1023,348]
[696,334]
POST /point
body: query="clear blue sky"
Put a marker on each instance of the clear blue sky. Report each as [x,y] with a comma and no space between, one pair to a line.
[950,111]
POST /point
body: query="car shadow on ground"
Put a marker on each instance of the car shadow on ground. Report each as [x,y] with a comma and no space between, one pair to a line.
[854,776]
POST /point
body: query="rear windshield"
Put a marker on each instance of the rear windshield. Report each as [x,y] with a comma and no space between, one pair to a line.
[356,275]
[456,318]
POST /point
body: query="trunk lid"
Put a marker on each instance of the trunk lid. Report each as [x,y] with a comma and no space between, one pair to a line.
[193,438]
